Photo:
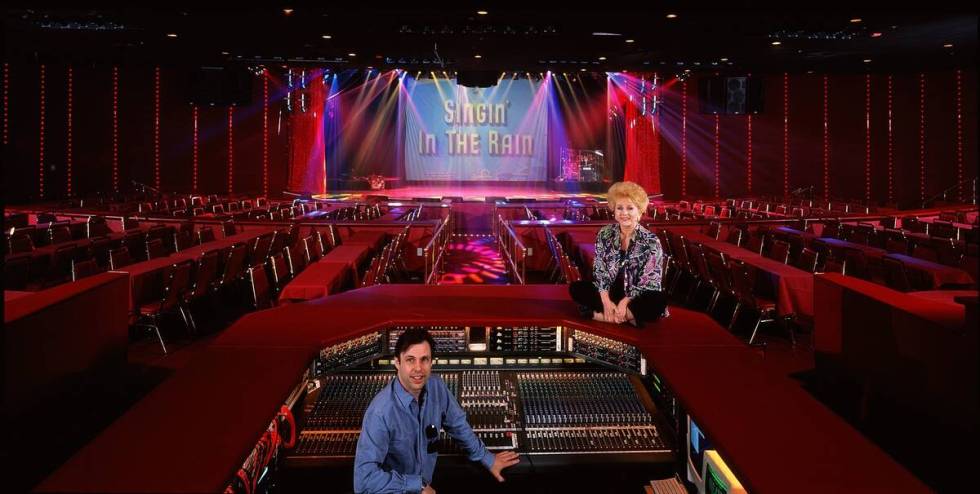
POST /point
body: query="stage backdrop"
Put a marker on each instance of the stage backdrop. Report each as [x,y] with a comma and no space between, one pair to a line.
[455,133]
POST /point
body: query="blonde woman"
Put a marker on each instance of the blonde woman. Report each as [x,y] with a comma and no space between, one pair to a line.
[628,267]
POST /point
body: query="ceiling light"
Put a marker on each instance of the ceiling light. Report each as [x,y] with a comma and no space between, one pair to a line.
[352,54]
[224,53]
[482,12]
[171,35]
[629,41]
[600,33]
[287,11]
[581,70]
[671,16]
[948,45]
[855,20]
[477,56]
[723,59]
[867,60]
[777,43]
[875,34]
[602,58]
[327,36]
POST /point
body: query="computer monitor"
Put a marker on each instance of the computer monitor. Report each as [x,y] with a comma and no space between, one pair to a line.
[718,478]
[697,443]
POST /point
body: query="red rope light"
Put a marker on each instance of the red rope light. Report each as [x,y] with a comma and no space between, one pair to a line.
[922,136]
[68,142]
[194,154]
[265,132]
[785,134]
[231,157]
[684,139]
[867,137]
[748,155]
[717,156]
[6,101]
[826,139]
[156,128]
[40,136]
[115,129]
[959,135]
[891,142]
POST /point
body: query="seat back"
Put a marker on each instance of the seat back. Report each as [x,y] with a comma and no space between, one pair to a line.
[313,249]
[205,274]
[59,234]
[177,284]
[16,272]
[296,259]
[135,241]
[182,240]
[260,248]
[925,252]
[234,263]
[155,249]
[228,228]
[720,272]
[100,250]
[779,251]
[20,242]
[756,243]
[857,264]
[83,269]
[714,230]
[895,275]
[205,235]
[807,260]
[742,283]
[119,258]
[734,236]
[259,284]
[279,270]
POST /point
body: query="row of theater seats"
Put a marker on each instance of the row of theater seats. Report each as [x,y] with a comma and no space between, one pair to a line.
[699,268]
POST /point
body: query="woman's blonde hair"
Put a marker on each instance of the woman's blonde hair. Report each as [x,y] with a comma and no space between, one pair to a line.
[627,190]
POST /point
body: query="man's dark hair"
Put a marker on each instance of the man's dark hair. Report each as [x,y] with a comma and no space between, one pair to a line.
[413,336]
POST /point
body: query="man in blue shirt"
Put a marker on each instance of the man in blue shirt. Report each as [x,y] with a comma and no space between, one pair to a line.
[398,446]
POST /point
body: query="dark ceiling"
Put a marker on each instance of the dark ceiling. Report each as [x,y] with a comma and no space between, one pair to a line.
[739,40]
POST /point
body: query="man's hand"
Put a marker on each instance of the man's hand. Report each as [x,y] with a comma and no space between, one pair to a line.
[428,490]
[503,460]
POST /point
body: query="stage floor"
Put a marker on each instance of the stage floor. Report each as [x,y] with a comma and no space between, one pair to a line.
[467,192]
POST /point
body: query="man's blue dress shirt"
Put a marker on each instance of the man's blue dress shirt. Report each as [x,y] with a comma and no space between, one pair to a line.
[392,449]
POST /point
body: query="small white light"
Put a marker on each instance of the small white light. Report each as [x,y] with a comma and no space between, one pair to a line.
[171,35]
[602,58]
[777,43]
[671,16]
[352,54]
[327,36]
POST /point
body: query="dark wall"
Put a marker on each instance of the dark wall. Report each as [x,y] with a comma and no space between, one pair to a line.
[92,134]
[847,141]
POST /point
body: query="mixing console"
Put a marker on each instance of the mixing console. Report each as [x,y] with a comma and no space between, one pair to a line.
[565,409]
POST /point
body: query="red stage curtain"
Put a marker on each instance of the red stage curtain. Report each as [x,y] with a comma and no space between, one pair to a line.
[307,169]
[642,150]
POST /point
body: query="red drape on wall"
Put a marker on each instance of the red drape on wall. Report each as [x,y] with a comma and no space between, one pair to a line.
[307,168]
[642,149]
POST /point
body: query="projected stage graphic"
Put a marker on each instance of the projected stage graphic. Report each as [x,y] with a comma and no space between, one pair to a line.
[455,133]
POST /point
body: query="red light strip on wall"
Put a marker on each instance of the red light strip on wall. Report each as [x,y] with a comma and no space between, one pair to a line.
[717,156]
[684,139]
[6,101]
[40,136]
[194,154]
[68,143]
[156,128]
[826,139]
[115,129]
[785,134]
[867,137]
[748,155]
[891,142]
[922,137]
[231,149]
[959,135]
[265,132]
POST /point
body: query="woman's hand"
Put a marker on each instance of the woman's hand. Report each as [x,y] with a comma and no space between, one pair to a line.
[608,307]
[621,308]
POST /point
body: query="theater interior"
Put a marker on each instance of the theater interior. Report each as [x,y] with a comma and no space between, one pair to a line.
[218,222]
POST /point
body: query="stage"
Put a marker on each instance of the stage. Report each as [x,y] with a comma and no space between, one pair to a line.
[470,192]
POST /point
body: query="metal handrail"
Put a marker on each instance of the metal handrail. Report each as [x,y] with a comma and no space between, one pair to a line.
[508,241]
[434,250]
[947,190]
